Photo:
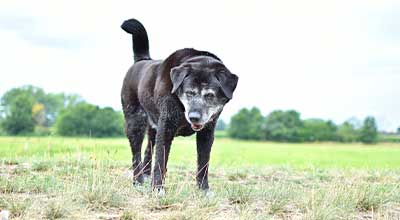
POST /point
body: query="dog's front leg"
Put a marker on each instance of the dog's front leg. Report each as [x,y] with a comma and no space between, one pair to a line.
[167,127]
[205,139]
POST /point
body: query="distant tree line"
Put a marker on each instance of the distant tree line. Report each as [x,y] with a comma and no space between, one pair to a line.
[29,110]
[287,126]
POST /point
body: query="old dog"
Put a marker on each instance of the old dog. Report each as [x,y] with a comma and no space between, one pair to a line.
[179,96]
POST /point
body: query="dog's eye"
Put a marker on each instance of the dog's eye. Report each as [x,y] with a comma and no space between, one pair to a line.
[190,93]
[209,96]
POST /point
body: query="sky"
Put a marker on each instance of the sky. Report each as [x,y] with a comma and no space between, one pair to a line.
[326,59]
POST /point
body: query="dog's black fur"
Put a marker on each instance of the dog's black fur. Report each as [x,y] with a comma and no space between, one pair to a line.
[178,96]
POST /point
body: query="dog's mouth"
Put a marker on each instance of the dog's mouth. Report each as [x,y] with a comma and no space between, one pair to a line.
[197,127]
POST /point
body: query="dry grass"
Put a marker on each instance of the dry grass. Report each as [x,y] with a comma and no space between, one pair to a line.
[90,189]
[90,179]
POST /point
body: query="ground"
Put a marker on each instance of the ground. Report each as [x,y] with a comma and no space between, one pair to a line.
[87,178]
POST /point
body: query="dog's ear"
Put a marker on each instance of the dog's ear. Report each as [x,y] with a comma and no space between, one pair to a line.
[228,82]
[177,75]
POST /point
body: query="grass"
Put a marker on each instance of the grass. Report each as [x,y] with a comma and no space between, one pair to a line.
[84,178]
[226,152]
[55,210]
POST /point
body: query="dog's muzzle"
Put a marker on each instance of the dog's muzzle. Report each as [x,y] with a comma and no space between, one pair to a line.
[197,127]
[194,118]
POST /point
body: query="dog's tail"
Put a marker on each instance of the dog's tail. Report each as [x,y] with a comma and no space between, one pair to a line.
[139,39]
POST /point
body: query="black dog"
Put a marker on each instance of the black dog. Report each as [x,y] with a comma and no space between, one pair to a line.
[178,96]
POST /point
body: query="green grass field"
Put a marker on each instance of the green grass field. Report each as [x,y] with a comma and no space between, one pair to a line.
[86,178]
[225,153]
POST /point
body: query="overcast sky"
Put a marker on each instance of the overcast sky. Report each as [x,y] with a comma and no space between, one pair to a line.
[326,59]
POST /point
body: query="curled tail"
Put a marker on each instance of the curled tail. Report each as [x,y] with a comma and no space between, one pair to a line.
[139,39]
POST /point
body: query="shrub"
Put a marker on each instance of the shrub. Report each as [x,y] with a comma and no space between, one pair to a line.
[18,118]
[369,131]
[318,130]
[246,124]
[347,133]
[87,119]
[283,126]
[221,125]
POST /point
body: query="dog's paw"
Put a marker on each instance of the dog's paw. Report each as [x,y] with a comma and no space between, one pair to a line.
[136,183]
[159,192]
[209,194]
[138,180]
[146,177]
[4,214]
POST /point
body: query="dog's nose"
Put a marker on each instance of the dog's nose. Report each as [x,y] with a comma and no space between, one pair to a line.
[194,117]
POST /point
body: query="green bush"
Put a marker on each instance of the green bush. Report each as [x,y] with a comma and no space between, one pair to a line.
[2,132]
[42,131]
[287,126]
[347,133]
[89,120]
[221,125]
[284,126]
[246,124]
[318,130]
[369,131]
[28,109]
[18,118]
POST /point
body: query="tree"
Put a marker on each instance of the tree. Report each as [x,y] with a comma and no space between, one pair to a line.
[9,98]
[221,125]
[246,124]
[18,115]
[398,130]
[2,115]
[107,123]
[71,99]
[44,108]
[347,133]
[369,131]
[283,126]
[86,119]
[76,120]
[318,130]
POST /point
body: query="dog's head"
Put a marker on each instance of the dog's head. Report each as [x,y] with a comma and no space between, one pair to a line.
[203,85]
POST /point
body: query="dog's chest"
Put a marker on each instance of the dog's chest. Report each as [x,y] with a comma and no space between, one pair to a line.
[184,130]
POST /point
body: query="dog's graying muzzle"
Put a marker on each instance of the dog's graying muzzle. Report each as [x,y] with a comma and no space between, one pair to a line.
[194,116]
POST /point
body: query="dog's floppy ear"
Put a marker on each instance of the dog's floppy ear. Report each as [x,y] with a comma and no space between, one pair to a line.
[228,82]
[177,75]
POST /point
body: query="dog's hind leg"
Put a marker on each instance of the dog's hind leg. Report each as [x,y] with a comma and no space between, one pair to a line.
[135,128]
[148,154]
